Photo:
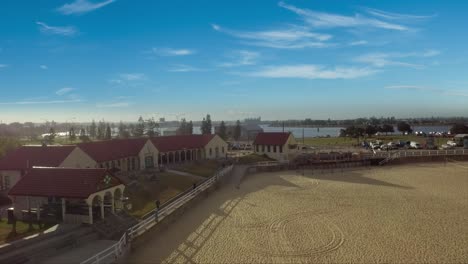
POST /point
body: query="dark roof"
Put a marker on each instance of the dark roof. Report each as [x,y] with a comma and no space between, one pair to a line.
[272,138]
[29,156]
[172,143]
[113,149]
[63,182]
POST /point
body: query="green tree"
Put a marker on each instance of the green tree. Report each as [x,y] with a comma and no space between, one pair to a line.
[101,130]
[459,128]
[182,130]
[83,137]
[222,130]
[71,134]
[151,127]
[108,132]
[371,130]
[93,130]
[51,137]
[404,127]
[206,125]
[237,130]
[190,128]
[139,128]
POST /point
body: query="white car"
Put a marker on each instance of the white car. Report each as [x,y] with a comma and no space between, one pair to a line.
[452,143]
[415,145]
[447,146]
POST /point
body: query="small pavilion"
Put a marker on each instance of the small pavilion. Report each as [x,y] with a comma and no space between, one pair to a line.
[67,194]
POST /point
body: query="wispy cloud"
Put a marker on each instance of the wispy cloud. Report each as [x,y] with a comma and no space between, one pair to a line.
[25,102]
[358,43]
[64,91]
[184,68]
[113,105]
[429,89]
[292,37]
[43,67]
[307,71]
[172,52]
[242,58]
[132,77]
[3,66]
[394,59]
[53,30]
[328,20]
[395,16]
[82,6]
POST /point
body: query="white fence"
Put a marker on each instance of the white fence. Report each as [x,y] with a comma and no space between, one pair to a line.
[115,251]
[419,153]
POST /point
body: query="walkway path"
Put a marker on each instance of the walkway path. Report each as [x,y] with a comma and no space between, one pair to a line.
[77,255]
[186,174]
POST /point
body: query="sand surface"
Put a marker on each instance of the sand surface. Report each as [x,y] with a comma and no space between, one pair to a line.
[416,213]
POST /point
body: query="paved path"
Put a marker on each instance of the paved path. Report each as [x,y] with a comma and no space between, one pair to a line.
[80,254]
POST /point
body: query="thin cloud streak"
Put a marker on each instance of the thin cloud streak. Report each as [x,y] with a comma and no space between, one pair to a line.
[42,102]
[395,16]
[392,59]
[184,68]
[293,37]
[308,71]
[328,20]
[172,52]
[131,77]
[242,58]
[53,30]
[64,91]
[82,6]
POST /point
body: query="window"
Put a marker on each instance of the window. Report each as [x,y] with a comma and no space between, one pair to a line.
[222,150]
[274,149]
[7,181]
[256,148]
[281,149]
[268,148]
[263,148]
[133,163]
[211,151]
[118,163]
[149,162]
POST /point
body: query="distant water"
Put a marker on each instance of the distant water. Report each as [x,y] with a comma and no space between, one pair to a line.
[323,131]
[335,131]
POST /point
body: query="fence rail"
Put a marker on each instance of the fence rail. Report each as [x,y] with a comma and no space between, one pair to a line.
[391,155]
[115,251]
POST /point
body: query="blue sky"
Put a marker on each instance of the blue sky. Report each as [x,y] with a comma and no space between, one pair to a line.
[84,59]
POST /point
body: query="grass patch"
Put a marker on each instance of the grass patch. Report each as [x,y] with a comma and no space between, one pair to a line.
[22,228]
[205,168]
[253,158]
[169,185]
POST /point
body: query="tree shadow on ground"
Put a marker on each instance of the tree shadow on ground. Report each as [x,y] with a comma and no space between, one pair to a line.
[184,238]
[347,176]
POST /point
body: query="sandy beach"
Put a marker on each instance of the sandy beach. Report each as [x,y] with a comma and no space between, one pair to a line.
[416,213]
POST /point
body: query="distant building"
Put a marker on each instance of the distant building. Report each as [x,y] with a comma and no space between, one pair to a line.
[280,146]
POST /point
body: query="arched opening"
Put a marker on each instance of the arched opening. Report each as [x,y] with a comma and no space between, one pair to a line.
[108,203]
[96,205]
[189,155]
[177,157]
[171,157]
[118,204]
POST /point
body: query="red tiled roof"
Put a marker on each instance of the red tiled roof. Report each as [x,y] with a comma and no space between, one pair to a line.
[62,182]
[172,143]
[21,158]
[272,138]
[113,149]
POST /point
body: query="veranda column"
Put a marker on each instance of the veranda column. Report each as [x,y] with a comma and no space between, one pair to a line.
[90,212]
[102,207]
[112,202]
[63,209]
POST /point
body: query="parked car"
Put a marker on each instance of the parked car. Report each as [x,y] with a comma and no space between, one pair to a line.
[392,145]
[414,145]
[447,146]
[452,143]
